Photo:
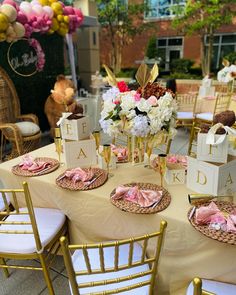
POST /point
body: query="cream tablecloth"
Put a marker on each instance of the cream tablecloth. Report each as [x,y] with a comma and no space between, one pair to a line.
[92,218]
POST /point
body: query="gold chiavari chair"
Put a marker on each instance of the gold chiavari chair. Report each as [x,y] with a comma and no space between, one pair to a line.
[208,287]
[193,140]
[113,267]
[222,103]
[187,107]
[29,233]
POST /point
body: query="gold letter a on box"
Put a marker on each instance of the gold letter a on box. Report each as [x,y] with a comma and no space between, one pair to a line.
[81,154]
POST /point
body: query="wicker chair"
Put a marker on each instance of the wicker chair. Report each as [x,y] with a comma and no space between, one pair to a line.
[22,131]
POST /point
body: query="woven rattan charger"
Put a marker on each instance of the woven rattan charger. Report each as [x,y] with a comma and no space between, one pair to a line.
[127,206]
[53,165]
[219,235]
[100,177]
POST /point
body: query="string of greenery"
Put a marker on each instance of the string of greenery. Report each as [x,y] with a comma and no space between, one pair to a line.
[34,90]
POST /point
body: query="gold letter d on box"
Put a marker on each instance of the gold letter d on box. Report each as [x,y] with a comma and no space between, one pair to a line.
[201,178]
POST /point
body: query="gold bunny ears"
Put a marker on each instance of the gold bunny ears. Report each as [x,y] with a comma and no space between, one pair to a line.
[143,76]
[111,79]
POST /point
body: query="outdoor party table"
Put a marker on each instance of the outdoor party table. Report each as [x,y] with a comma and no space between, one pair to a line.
[92,218]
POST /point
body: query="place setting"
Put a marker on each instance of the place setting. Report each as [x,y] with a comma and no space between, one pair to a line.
[215,219]
[30,166]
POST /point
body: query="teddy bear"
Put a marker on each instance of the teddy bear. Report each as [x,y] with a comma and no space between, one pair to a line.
[61,100]
[227,118]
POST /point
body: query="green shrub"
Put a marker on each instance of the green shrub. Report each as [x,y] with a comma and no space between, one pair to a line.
[231,57]
[181,65]
[151,51]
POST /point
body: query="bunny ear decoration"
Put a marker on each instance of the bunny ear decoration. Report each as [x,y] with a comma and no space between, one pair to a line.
[144,75]
[154,73]
[111,79]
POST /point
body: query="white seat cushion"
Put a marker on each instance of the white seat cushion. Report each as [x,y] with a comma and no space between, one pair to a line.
[205,116]
[215,287]
[2,205]
[49,222]
[28,128]
[79,264]
[185,115]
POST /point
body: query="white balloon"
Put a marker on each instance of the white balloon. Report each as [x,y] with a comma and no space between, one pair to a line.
[48,10]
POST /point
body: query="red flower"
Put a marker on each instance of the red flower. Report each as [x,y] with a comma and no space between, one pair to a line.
[122,86]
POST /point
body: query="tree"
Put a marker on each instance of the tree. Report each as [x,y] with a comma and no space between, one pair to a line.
[121,22]
[151,51]
[204,17]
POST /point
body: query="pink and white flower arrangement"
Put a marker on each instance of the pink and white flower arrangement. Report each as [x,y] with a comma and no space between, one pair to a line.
[128,111]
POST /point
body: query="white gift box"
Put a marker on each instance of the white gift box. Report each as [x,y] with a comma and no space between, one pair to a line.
[80,153]
[232,145]
[103,165]
[212,152]
[212,178]
[175,174]
[75,129]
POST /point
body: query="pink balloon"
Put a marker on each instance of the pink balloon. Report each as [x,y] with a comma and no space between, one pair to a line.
[22,18]
[12,3]
[67,10]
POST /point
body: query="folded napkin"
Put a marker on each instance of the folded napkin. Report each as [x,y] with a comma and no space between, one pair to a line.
[28,163]
[120,152]
[144,198]
[216,219]
[79,174]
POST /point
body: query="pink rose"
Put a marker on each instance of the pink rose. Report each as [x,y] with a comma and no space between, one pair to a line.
[152,100]
[137,96]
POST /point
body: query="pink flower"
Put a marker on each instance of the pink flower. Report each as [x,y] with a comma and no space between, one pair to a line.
[122,86]
[152,100]
[137,96]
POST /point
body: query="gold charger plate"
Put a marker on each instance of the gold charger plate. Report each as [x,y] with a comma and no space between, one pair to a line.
[66,183]
[54,164]
[219,235]
[127,206]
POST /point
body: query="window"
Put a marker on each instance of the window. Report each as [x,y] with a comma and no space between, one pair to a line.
[222,45]
[162,8]
[169,49]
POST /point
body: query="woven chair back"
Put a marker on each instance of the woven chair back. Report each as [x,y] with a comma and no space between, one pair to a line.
[9,101]
[150,260]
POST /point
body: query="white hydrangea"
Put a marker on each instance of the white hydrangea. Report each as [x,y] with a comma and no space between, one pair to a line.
[143,105]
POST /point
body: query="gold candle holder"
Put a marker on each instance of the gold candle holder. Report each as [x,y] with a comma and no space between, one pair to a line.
[58,144]
[162,166]
[107,155]
[149,148]
[97,137]
[57,132]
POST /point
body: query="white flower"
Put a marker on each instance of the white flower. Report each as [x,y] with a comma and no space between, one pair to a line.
[143,105]
[140,126]
[111,94]
[127,102]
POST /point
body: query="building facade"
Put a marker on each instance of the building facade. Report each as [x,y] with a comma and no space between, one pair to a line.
[170,43]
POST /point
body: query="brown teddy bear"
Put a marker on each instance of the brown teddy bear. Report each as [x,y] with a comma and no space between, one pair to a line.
[61,100]
[227,118]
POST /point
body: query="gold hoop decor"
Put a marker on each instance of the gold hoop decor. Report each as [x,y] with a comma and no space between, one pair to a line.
[26,57]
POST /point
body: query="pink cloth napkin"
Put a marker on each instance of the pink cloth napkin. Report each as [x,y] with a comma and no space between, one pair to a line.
[28,163]
[215,218]
[79,174]
[120,152]
[144,198]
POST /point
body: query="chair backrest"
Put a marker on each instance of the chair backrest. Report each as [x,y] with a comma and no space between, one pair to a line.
[30,226]
[187,102]
[9,101]
[222,102]
[151,261]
